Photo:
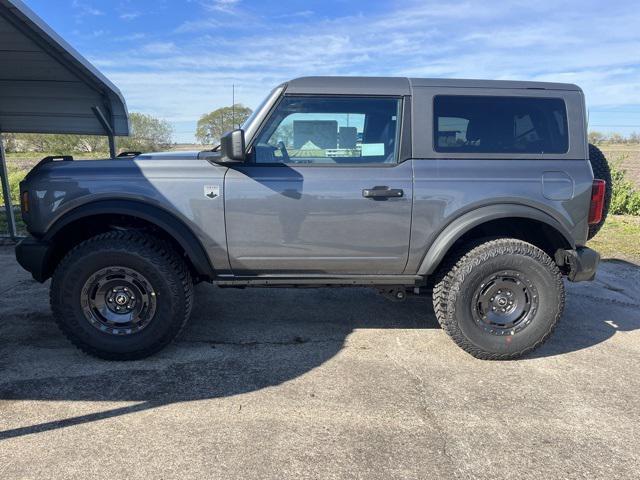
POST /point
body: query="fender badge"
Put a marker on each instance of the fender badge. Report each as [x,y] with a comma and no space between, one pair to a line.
[211,191]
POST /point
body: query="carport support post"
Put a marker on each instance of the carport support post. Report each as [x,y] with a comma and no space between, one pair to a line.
[108,129]
[112,146]
[11,219]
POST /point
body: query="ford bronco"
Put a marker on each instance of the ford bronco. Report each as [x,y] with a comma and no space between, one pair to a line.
[481,193]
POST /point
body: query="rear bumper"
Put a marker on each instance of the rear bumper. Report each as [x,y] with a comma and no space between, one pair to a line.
[33,255]
[580,264]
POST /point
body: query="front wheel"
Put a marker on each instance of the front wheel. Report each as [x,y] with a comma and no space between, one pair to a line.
[500,300]
[121,295]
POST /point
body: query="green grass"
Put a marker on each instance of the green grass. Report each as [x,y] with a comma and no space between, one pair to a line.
[619,238]
[4,228]
[16,175]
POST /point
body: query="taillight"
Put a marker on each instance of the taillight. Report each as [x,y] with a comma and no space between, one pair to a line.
[25,202]
[597,201]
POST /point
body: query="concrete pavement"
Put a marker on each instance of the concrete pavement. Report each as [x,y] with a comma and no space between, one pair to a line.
[322,384]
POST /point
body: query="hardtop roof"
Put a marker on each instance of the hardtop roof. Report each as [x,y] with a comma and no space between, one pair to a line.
[404,85]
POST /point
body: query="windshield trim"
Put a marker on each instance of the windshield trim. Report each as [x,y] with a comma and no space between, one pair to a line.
[253,123]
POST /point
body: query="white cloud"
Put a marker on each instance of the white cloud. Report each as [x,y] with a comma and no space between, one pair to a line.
[85,9]
[128,16]
[179,77]
[160,48]
[198,25]
[225,6]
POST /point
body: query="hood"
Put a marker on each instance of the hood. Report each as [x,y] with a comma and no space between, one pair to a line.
[64,166]
[189,155]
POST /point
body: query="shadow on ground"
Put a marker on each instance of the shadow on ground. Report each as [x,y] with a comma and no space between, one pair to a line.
[244,340]
[237,341]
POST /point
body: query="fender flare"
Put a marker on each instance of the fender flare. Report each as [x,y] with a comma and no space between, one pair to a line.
[161,218]
[464,223]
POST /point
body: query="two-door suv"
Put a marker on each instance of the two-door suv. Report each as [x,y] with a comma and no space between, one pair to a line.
[481,192]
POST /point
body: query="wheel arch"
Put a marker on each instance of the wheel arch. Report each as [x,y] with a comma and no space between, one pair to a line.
[172,227]
[527,223]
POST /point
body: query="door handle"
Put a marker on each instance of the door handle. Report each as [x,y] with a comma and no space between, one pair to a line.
[382,192]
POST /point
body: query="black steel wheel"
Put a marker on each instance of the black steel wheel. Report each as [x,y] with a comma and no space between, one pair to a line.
[499,300]
[122,295]
[118,301]
[505,303]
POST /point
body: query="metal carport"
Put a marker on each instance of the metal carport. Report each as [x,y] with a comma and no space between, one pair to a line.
[46,86]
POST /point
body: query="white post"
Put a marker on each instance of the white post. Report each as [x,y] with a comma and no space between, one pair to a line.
[11,219]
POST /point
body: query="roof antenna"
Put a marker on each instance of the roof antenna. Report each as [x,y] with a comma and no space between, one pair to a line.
[233,105]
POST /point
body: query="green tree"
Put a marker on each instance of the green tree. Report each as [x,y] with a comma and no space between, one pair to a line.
[284,133]
[634,137]
[215,124]
[54,143]
[615,138]
[148,134]
[596,137]
[626,197]
[10,141]
[91,144]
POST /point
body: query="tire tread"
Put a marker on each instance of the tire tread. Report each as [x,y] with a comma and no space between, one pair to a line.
[601,170]
[458,266]
[147,246]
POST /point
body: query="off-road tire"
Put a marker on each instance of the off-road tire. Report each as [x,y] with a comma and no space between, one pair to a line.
[601,171]
[156,260]
[462,275]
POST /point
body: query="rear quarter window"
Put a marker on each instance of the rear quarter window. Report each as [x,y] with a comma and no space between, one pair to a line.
[500,124]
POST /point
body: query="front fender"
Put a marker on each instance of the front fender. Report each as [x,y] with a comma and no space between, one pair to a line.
[163,219]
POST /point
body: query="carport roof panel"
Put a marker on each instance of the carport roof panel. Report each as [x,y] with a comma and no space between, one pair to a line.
[46,86]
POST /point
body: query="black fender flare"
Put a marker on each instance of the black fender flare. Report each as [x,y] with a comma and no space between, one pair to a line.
[153,214]
[465,222]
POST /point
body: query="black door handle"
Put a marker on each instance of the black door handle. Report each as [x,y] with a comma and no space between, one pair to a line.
[382,192]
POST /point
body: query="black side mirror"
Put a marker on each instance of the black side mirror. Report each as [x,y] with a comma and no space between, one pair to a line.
[232,146]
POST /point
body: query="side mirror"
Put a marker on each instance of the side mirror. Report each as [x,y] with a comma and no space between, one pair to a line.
[232,146]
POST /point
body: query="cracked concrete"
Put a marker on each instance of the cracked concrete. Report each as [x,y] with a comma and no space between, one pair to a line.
[323,384]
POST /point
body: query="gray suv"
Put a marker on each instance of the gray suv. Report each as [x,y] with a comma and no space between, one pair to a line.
[479,192]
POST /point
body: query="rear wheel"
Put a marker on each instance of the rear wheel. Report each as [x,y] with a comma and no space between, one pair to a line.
[500,300]
[121,295]
[601,171]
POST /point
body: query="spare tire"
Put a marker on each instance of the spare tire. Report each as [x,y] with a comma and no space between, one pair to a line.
[601,171]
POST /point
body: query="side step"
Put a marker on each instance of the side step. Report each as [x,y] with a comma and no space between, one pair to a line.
[318,280]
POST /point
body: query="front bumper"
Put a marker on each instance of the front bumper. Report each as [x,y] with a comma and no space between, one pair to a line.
[34,256]
[580,264]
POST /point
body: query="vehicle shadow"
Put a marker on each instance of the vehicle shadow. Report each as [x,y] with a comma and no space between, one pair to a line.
[241,341]
[238,341]
[595,311]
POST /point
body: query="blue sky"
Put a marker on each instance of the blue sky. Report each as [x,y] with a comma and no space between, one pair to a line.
[177,59]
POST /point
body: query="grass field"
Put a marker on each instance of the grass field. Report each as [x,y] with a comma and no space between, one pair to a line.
[4,228]
[628,158]
[619,238]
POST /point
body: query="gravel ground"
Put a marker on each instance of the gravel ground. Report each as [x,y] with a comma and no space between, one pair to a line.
[323,384]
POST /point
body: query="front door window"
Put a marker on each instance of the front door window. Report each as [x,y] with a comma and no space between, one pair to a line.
[331,131]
